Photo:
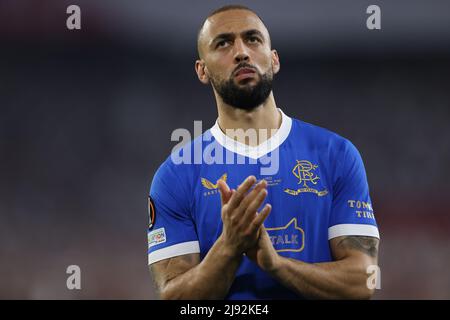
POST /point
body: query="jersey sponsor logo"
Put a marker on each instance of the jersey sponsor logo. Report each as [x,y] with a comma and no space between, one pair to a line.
[212,186]
[363,209]
[156,237]
[289,238]
[304,172]
[151,212]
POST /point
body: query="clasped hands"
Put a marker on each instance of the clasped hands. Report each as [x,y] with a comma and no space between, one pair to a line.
[243,229]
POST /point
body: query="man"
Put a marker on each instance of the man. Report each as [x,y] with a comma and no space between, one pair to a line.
[306,230]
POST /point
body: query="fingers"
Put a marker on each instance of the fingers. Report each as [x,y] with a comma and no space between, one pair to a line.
[240,193]
[254,205]
[252,195]
[260,218]
[263,229]
[225,192]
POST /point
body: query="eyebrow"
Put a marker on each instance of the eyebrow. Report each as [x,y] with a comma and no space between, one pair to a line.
[229,35]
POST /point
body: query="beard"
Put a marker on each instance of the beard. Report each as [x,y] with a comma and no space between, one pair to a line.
[244,97]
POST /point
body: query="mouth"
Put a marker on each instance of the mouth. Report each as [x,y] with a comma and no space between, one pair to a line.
[244,73]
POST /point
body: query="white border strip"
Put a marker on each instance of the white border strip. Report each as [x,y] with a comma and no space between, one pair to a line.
[353,230]
[258,151]
[173,251]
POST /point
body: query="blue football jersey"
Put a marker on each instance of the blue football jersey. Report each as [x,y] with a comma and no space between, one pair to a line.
[317,187]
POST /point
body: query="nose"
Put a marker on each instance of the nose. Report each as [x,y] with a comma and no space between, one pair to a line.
[241,53]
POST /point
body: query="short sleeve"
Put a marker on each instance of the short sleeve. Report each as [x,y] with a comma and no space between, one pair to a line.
[171,229]
[352,212]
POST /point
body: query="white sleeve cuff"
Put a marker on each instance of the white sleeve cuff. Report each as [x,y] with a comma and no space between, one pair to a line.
[353,230]
[173,251]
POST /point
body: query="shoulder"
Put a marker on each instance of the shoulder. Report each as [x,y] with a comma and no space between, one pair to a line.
[319,137]
[181,167]
[338,152]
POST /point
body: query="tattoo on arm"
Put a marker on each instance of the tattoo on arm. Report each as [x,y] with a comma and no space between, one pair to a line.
[155,281]
[166,270]
[367,245]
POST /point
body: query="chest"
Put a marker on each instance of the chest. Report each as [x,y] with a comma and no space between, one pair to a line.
[300,194]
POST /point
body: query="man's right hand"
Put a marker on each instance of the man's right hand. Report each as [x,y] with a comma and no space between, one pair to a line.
[241,221]
[188,277]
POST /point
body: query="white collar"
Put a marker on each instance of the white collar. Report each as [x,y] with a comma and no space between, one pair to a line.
[257,151]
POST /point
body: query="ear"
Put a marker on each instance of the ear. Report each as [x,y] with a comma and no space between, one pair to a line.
[275,62]
[202,71]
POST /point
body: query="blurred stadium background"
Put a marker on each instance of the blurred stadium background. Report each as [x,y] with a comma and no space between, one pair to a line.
[86,118]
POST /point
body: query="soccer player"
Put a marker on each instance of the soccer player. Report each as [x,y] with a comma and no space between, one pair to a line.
[284,216]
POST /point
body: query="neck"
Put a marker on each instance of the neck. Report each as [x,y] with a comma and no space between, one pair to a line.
[264,118]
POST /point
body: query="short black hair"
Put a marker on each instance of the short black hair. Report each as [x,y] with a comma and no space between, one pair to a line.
[219,10]
[229,7]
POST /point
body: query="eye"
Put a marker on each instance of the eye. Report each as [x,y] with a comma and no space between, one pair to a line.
[254,40]
[222,43]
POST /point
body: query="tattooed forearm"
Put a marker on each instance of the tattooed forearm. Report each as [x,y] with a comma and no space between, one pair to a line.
[368,245]
[155,281]
[166,270]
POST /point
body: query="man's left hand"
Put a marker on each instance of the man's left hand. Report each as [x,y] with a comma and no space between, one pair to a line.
[264,254]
